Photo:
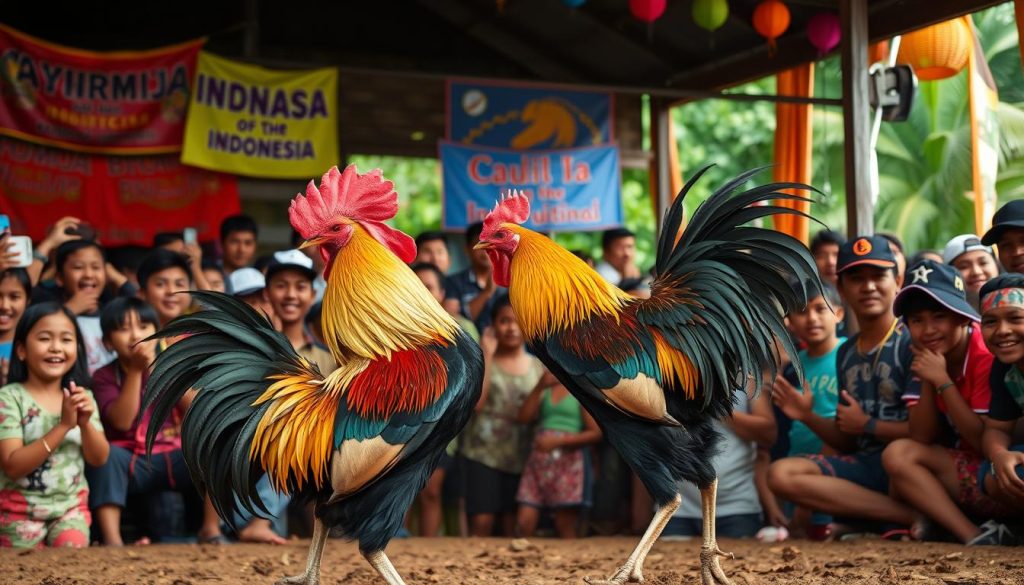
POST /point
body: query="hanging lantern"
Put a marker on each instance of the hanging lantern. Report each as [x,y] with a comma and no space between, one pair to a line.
[710,15]
[823,32]
[574,3]
[647,10]
[771,19]
[936,52]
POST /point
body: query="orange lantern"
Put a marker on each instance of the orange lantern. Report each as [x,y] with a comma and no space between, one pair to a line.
[937,52]
[771,19]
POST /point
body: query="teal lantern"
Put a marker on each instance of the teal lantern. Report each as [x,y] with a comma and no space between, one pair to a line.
[710,14]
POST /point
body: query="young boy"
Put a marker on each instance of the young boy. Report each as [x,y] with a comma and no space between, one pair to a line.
[289,290]
[1002,325]
[825,250]
[432,248]
[940,477]
[162,274]
[238,235]
[1007,232]
[118,388]
[873,372]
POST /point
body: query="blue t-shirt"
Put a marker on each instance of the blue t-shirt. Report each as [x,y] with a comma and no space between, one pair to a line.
[820,377]
[878,379]
[5,350]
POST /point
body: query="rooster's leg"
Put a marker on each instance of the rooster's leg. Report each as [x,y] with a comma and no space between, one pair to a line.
[380,561]
[633,570]
[711,572]
[316,552]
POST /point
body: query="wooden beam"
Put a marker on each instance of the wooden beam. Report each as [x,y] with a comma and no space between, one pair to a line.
[853,18]
[661,183]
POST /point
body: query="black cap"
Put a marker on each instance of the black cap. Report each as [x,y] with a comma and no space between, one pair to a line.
[941,282]
[870,250]
[1007,217]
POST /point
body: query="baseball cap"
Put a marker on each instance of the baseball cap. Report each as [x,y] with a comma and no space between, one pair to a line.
[246,281]
[1007,217]
[963,244]
[870,250]
[293,260]
[941,282]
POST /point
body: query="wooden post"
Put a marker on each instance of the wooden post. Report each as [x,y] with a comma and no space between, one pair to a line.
[661,182]
[860,210]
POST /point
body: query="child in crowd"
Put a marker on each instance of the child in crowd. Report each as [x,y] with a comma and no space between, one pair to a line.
[815,326]
[49,430]
[873,369]
[119,387]
[164,282]
[494,445]
[83,278]
[975,261]
[289,290]
[938,476]
[214,275]
[238,235]
[15,290]
[1002,325]
[825,250]
[433,278]
[432,248]
[558,474]
[249,286]
[1007,232]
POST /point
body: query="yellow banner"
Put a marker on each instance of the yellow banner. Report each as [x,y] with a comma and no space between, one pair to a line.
[257,122]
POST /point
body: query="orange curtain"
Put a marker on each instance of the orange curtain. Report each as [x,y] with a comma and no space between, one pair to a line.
[793,142]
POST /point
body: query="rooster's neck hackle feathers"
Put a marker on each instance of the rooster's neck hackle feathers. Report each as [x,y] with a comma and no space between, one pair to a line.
[552,290]
[375,305]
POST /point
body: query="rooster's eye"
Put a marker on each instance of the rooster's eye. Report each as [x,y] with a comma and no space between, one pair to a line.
[499,235]
[336,228]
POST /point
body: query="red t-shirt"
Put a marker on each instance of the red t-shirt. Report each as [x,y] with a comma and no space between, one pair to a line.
[106,388]
[972,383]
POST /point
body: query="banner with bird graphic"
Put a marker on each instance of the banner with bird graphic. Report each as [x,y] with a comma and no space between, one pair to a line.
[123,102]
[258,122]
[553,143]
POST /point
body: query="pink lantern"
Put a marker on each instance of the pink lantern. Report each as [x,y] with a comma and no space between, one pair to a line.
[647,10]
[823,31]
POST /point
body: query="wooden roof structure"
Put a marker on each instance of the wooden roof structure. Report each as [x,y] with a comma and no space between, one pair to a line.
[395,55]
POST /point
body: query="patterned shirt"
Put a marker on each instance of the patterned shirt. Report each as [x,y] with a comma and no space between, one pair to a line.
[57,485]
[878,380]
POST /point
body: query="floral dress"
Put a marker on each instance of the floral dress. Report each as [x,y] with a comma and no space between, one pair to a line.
[49,506]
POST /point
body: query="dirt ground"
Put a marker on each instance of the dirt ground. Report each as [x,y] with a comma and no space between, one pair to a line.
[536,562]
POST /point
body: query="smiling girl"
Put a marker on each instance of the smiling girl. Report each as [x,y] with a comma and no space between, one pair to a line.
[49,430]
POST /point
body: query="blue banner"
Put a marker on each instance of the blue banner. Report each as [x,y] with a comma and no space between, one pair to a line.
[527,117]
[575,189]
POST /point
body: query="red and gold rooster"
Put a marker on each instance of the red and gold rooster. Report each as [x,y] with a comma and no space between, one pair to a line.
[360,442]
[655,372]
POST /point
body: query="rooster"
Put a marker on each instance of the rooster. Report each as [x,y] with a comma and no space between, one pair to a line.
[655,372]
[360,442]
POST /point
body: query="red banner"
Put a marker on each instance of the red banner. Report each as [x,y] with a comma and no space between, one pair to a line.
[112,103]
[127,199]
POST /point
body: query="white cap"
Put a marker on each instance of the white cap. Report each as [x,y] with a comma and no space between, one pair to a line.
[961,245]
[246,281]
[293,259]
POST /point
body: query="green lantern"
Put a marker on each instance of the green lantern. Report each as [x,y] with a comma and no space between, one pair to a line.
[710,14]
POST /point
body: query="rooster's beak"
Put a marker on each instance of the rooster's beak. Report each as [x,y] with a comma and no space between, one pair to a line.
[314,241]
[482,245]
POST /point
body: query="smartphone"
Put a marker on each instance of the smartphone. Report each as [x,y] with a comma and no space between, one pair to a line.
[23,246]
[189,236]
[84,231]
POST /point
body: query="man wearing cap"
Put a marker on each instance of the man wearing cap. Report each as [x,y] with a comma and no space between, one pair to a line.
[1002,325]
[873,369]
[1007,233]
[290,276]
[249,286]
[940,477]
[975,261]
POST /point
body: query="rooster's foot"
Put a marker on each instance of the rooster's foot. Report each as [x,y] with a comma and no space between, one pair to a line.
[302,579]
[625,574]
[711,572]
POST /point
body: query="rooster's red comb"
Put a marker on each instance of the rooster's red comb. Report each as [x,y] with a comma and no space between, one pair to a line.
[366,197]
[514,207]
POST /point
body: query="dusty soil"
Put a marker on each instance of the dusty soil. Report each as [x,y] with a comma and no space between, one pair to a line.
[537,562]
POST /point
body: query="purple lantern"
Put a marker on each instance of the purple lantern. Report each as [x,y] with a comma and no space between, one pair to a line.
[823,31]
